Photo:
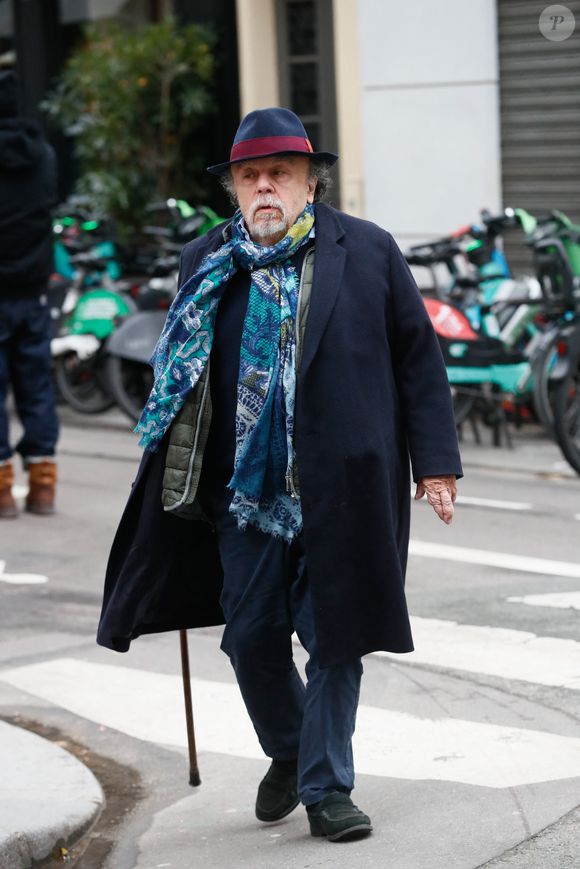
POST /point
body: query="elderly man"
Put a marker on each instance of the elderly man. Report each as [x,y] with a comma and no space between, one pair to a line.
[296,375]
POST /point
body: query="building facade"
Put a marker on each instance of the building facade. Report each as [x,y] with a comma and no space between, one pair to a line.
[441,109]
[415,99]
[436,109]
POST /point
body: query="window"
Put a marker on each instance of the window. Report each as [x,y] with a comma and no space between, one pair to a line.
[306,58]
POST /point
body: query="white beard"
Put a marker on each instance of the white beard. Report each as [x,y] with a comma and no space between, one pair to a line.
[267,227]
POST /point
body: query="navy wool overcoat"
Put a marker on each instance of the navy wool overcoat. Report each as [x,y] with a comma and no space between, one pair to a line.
[372,399]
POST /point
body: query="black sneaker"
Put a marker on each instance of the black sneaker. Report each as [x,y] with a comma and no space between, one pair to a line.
[337,818]
[278,793]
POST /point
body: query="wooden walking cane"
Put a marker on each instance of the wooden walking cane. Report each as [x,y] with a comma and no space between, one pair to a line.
[194,778]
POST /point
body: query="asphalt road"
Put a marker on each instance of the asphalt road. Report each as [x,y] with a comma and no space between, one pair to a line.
[466,749]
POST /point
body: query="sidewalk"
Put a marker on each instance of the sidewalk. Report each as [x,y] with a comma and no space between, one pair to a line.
[48,799]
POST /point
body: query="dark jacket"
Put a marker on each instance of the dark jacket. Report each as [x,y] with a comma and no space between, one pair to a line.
[27,191]
[372,392]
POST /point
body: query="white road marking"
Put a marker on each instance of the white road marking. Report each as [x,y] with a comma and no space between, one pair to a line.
[495,652]
[577,516]
[490,502]
[473,501]
[557,599]
[149,706]
[21,578]
[503,560]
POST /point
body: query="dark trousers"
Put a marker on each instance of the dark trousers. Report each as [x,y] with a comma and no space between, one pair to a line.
[25,365]
[266,598]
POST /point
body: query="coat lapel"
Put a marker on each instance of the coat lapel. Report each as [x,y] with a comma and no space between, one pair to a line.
[329,261]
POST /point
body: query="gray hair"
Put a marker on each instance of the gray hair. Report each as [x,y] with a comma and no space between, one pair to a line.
[319,173]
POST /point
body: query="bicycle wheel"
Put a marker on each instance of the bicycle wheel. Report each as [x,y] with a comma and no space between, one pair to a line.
[80,384]
[543,395]
[567,414]
[130,384]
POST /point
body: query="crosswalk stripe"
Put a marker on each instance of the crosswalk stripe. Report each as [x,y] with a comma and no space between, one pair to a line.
[501,652]
[21,578]
[472,501]
[148,706]
[489,558]
[490,503]
[557,599]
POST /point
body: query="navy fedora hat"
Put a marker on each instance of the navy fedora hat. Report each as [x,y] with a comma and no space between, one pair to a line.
[266,132]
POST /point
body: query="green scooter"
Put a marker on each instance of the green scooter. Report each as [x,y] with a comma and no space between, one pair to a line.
[92,307]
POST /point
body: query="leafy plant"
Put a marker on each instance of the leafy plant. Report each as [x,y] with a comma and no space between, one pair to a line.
[134,101]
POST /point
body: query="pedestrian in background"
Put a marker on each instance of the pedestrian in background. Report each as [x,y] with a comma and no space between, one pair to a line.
[297,374]
[27,191]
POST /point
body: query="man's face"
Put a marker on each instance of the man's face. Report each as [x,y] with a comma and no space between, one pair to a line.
[272,191]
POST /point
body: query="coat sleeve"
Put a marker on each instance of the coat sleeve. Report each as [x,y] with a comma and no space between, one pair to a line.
[421,377]
[186,261]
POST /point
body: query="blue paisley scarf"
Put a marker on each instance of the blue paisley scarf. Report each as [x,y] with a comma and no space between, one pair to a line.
[264,458]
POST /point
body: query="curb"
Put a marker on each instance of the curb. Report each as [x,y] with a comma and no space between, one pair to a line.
[48,798]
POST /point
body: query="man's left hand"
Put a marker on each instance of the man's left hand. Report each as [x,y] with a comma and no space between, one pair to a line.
[441,493]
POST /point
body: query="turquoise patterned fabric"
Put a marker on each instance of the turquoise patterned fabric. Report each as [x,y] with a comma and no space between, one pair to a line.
[264,456]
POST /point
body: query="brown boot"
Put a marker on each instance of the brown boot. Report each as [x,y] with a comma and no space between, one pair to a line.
[41,486]
[8,508]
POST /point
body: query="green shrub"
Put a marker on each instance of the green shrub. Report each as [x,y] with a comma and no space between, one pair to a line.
[133,100]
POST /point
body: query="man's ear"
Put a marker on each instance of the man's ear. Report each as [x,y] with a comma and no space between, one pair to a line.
[311,190]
